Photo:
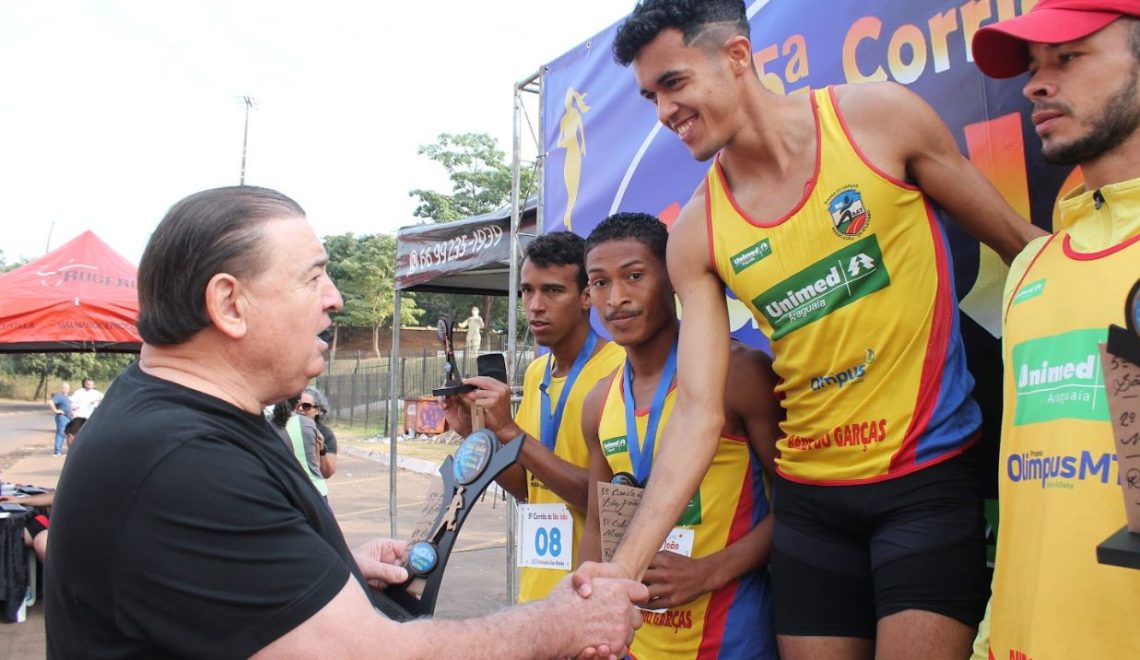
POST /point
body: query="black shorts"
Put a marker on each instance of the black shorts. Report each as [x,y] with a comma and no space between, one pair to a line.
[846,556]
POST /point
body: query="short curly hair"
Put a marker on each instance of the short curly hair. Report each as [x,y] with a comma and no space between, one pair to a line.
[637,226]
[559,248]
[693,18]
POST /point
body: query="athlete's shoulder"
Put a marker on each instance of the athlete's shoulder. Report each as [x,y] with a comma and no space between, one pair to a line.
[1020,266]
[608,357]
[873,96]
[749,366]
[534,371]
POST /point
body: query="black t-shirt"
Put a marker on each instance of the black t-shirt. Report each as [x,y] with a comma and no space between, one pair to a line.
[183,527]
[330,437]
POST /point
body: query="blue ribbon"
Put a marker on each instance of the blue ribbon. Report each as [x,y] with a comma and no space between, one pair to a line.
[641,455]
[551,423]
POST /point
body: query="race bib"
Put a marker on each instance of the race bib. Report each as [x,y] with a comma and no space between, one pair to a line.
[546,536]
[679,541]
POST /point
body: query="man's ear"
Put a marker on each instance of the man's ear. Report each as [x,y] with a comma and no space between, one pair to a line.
[585,299]
[225,306]
[739,51]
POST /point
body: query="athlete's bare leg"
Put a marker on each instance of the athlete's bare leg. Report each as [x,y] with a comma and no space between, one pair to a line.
[920,634]
[796,647]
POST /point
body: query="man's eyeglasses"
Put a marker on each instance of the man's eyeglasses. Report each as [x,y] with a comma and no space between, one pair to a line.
[305,406]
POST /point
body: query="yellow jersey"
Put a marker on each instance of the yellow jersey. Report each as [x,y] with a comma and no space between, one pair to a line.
[1058,489]
[854,289]
[570,446]
[732,622]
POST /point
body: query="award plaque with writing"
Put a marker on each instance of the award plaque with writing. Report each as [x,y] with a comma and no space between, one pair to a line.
[1121,360]
[465,475]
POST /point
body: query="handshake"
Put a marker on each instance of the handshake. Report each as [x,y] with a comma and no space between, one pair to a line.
[590,614]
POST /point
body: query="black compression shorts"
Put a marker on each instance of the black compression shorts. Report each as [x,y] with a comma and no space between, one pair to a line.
[846,556]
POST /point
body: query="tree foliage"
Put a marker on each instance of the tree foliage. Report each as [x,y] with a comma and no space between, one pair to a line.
[6,266]
[480,178]
[364,269]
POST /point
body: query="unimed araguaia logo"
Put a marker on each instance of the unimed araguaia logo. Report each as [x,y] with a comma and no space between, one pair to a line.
[831,283]
[1059,377]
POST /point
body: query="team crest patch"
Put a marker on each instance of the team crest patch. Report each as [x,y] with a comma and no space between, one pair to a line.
[848,215]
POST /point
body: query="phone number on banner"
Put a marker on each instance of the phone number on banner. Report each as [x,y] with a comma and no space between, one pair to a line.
[455,249]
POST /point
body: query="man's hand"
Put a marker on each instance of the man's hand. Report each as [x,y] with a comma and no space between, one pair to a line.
[495,398]
[675,579]
[603,625]
[378,561]
[457,412]
[582,580]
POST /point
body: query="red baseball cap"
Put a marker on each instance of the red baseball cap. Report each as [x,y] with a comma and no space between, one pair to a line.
[1001,50]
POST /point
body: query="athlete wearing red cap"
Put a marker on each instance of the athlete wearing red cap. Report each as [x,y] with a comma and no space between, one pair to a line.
[1058,476]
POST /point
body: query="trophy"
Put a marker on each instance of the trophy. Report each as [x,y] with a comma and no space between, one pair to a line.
[1121,361]
[479,459]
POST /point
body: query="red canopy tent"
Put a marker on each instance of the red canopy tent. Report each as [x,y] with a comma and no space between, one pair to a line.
[82,296]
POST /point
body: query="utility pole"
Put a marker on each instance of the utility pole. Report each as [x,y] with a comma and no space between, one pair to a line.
[249,103]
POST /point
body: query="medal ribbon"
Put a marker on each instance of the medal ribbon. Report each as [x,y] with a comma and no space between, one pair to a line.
[551,423]
[641,455]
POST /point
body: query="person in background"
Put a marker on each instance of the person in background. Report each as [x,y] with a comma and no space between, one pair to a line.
[299,432]
[37,524]
[315,406]
[86,400]
[60,404]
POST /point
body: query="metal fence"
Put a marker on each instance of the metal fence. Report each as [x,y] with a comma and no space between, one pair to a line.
[357,387]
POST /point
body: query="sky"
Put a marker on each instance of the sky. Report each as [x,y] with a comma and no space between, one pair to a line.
[113,110]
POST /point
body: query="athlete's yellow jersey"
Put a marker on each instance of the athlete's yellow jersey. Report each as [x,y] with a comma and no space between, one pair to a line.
[1058,486]
[570,446]
[855,290]
[732,622]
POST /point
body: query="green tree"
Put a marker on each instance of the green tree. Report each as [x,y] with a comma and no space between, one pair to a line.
[480,178]
[364,269]
[100,367]
[5,266]
[480,182]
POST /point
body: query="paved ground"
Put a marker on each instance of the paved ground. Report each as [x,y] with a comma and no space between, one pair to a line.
[475,581]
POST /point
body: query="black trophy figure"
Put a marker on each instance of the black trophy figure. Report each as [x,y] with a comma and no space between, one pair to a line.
[453,380]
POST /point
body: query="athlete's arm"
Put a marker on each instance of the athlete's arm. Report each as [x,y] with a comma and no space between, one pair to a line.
[565,479]
[751,410]
[690,437]
[930,158]
[590,547]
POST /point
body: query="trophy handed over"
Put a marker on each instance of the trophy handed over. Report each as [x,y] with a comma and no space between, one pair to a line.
[479,459]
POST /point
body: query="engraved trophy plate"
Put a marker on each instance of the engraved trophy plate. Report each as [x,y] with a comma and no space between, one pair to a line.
[473,455]
[1120,359]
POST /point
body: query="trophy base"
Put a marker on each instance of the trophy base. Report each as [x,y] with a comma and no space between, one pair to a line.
[1121,549]
[452,390]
